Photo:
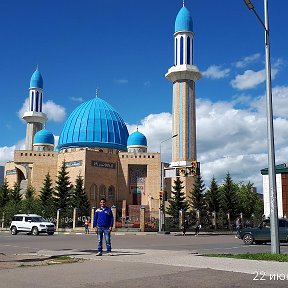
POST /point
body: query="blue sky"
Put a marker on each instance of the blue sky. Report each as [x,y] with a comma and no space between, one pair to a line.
[124,48]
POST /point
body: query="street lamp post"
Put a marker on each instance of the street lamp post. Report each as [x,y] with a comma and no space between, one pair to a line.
[275,246]
[162,186]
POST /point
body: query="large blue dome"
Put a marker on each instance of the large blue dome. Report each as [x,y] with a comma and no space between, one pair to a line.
[136,139]
[36,80]
[94,123]
[183,20]
[43,137]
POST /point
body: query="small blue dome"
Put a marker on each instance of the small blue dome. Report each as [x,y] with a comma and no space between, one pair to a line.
[183,20]
[36,80]
[136,139]
[94,123]
[43,137]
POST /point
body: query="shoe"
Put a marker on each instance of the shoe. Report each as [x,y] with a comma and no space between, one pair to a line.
[109,254]
[99,254]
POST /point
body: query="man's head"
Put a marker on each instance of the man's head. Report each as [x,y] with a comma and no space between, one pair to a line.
[102,202]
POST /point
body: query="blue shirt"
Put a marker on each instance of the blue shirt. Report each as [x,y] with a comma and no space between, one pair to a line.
[103,217]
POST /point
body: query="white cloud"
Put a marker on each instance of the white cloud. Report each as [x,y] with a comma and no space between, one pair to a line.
[53,111]
[121,81]
[7,152]
[156,128]
[216,72]
[250,79]
[247,60]
[77,99]
[280,100]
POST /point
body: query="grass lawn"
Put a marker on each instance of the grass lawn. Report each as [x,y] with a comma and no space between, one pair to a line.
[256,256]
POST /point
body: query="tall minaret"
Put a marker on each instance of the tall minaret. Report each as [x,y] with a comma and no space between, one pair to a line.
[34,117]
[183,76]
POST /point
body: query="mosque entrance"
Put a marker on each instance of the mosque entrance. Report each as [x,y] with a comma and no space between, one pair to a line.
[137,177]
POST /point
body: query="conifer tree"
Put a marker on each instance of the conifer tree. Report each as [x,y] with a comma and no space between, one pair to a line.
[212,197]
[177,201]
[46,198]
[4,194]
[30,204]
[13,206]
[228,197]
[197,195]
[62,190]
[80,199]
[15,194]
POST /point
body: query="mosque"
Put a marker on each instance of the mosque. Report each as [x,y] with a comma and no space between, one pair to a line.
[95,142]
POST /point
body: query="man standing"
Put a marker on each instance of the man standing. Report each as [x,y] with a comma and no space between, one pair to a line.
[103,223]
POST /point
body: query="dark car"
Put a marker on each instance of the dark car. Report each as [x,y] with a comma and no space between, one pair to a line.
[261,234]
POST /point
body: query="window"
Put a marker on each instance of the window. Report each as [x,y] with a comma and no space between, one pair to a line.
[27,219]
[37,101]
[152,156]
[181,50]
[188,50]
[282,223]
[93,192]
[176,51]
[111,196]
[17,218]
[102,191]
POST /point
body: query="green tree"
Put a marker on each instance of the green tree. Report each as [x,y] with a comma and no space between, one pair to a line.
[248,200]
[212,197]
[46,198]
[30,203]
[4,194]
[197,195]
[79,197]
[178,201]
[14,204]
[15,194]
[228,197]
[62,190]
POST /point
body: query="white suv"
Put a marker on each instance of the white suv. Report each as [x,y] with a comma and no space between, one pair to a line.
[31,223]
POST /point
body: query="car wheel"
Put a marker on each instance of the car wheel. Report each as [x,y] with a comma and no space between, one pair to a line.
[248,239]
[50,233]
[14,230]
[35,231]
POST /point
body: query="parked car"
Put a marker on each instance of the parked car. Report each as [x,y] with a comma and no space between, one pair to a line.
[261,234]
[31,223]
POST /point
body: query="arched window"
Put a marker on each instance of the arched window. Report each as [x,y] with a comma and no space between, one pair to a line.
[41,99]
[188,50]
[102,191]
[37,101]
[93,192]
[111,195]
[32,101]
[181,50]
[176,54]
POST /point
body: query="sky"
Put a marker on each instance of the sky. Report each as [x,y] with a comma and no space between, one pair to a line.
[124,48]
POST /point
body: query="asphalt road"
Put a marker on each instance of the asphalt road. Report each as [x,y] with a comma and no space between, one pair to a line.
[150,260]
[203,244]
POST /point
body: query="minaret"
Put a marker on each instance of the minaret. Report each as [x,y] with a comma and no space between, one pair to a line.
[34,117]
[183,76]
